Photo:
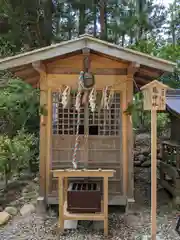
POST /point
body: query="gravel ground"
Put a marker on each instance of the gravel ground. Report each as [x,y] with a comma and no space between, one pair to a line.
[121,227]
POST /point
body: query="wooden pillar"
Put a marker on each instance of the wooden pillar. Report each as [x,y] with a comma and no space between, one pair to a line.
[61,204]
[40,68]
[130,141]
[42,147]
[132,69]
[124,139]
[105,190]
[153,172]
[49,140]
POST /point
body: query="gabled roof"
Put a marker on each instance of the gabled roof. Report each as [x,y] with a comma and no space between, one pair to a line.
[89,42]
[150,67]
[173,100]
[154,82]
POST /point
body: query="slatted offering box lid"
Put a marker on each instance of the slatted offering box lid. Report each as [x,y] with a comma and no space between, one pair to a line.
[154,94]
[84,173]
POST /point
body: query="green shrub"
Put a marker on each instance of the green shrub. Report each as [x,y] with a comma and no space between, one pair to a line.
[16,153]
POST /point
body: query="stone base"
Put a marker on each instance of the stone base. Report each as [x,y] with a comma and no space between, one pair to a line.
[147,237]
[41,208]
[70,224]
[98,225]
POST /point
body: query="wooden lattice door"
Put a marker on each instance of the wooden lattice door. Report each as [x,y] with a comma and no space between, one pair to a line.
[64,125]
[104,142]
[99,137]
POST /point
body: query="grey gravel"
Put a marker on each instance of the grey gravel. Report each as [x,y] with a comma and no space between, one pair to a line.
[121,227]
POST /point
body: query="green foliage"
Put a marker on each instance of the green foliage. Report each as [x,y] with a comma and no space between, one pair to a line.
[142,119]
[19,104]
[162,122]
[171,52]
[16,153]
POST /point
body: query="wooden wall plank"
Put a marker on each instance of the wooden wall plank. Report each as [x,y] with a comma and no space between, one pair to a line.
[95,71]
[76,62]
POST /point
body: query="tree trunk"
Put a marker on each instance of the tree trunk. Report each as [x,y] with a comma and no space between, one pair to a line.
[103,20]
[123,40]
[173,31]
[48,14]
[94,19]
[82,9]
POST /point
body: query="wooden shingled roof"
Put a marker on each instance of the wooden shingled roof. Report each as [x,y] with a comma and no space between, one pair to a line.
[150,67]
[173,101]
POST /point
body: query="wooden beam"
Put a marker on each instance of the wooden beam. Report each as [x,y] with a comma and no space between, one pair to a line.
[86,60]
[140,81]
[148,72]
[32,80]
[25,72]
[133,68]
[54,81]
[145,77]
[25,77]
[19,68]
[39,66]
[96,71]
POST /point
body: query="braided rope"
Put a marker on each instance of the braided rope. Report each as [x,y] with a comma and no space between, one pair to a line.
[78,104]
[74,161]
[78,108]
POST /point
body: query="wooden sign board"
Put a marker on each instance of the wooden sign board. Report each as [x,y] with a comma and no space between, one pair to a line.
[154,94]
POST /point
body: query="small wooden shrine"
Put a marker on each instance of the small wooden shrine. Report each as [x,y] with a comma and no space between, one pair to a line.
[97,113]
[170,163]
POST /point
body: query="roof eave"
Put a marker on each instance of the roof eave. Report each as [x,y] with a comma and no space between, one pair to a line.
[42,54]
[130,55]
[93,44]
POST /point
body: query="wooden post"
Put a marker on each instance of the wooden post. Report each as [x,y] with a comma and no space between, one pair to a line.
[153,172]
[105,190]
[49,141]
[61,204]
[154,99]
[41,69]
[124,139]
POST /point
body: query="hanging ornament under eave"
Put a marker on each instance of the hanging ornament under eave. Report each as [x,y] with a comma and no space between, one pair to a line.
[92,100]
[78,101]
[107,98]
[59,94]
[66,97]
[104,98]
[110,99]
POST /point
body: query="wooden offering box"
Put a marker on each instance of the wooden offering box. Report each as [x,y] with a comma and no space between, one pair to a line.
[84,197]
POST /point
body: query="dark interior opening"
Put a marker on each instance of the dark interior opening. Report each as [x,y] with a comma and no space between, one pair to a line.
[81,129]
[93,130]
